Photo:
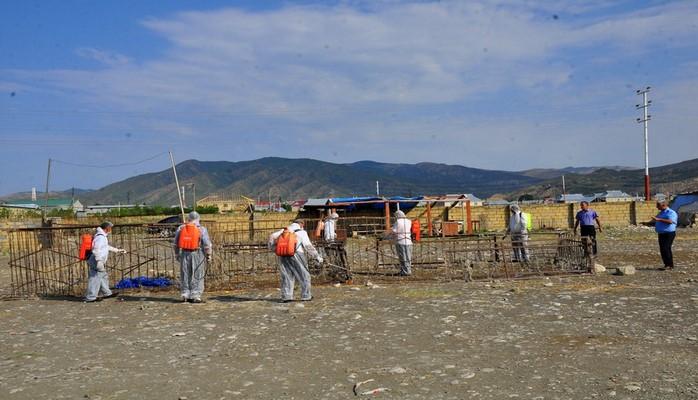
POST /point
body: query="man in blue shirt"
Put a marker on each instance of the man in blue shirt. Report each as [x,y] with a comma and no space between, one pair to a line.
[665,226]
[586,217]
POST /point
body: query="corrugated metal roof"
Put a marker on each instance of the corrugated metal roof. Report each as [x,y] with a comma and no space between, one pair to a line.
[316,202]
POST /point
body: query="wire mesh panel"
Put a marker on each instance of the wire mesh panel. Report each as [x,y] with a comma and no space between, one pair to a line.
[473,257]
[44,261]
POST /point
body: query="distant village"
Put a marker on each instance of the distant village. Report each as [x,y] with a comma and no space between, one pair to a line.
[223,203]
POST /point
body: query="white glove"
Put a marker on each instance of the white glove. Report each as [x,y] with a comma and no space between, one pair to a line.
[320,260]
[122,251]
[209,257]
[101,267]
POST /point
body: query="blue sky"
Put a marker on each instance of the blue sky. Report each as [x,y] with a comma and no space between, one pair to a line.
[490,84]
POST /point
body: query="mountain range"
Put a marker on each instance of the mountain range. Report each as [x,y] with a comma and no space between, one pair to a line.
[289,179]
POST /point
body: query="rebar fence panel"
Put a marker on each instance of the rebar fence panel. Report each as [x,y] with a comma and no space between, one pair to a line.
[473,257]
[44,261]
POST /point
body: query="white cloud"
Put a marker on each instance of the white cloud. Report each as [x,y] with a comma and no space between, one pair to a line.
[414,53]
[108,58]
[323,74]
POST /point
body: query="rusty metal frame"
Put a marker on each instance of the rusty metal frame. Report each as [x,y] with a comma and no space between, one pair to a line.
[43,261]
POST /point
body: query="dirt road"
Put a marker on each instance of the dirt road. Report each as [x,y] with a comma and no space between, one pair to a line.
[594,337]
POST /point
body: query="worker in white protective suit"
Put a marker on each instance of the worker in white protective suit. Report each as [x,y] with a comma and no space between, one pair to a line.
[192,248]
[295,268]
[402,232]
[518,229]
[329,231]
[97,276]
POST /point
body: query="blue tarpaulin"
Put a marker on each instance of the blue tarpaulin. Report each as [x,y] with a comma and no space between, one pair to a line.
[406,203]
[130,283]
[682,199]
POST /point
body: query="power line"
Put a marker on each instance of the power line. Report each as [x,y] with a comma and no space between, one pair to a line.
[110,165]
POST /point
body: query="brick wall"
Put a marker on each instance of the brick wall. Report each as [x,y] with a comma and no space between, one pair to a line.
[617,214]
[644,211]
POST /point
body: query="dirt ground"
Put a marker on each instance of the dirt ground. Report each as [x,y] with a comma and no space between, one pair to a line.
[591,337]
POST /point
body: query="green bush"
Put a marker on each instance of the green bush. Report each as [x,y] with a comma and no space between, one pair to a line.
[157,210]
[68,214]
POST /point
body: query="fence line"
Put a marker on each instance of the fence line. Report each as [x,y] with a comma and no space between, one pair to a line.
[44,261]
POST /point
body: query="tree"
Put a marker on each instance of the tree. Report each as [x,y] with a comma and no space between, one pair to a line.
[526,197]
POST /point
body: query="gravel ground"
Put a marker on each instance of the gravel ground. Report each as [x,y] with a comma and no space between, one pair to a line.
[604,336]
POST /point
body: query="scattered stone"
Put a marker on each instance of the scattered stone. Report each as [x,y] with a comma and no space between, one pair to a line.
[397,370]
[632,387]
[548,284]
[598,268]
[625,270]
[179,334]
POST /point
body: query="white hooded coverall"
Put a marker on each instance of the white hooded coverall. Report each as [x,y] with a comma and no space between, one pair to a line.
[97,277]
[519,234]
[402,230]
[329,233]
[192,264]
[295,268]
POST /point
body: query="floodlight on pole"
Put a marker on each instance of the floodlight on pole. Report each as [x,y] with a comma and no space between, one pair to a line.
[645,120]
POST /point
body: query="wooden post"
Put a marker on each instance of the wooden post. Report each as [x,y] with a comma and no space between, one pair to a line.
[430,229]
[469,216]
[387,216]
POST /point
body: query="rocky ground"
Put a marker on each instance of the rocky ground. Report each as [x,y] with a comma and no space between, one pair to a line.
[592,337]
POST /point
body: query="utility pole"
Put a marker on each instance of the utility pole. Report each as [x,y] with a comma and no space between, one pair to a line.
[378,189]
[179,194]
[48,175]
[564,191]
[645,121]
[193,189]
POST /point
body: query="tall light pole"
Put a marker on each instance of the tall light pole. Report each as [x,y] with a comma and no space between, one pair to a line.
[645,121]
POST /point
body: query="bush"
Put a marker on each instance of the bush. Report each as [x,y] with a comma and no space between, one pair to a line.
[157,210]
[68,214]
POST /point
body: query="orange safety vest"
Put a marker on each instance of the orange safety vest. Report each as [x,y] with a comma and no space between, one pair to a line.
[286,244]
[189,237]
[416,231]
